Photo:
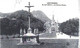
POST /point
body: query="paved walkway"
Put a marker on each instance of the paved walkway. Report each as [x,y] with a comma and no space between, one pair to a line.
[58,36]
[65,36]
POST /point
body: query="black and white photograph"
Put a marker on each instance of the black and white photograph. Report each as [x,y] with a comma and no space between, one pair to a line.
[39,23]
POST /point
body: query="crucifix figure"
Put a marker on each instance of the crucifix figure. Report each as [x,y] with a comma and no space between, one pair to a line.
[29,6]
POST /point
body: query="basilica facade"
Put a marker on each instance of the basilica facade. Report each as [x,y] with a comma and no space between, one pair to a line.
[52,27]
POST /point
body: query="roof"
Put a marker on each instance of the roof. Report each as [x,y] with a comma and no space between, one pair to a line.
[29,35]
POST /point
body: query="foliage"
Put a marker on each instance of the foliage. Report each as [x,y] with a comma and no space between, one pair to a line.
[70,27]
[17,20]
[47,25]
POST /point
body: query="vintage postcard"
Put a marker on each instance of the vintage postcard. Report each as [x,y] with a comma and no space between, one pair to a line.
[39,23]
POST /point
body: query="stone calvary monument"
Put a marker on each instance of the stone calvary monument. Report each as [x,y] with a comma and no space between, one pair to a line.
[28,38]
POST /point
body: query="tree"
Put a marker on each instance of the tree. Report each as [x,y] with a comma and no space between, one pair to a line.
[47,25]
[4,26]
[10,26]
[70,27]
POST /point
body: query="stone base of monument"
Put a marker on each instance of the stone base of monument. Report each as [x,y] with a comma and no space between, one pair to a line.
[28,43]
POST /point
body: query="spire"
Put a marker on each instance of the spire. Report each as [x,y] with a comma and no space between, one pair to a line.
[53,19]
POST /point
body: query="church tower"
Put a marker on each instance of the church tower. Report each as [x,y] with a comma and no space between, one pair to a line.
[53,27]
[53,24]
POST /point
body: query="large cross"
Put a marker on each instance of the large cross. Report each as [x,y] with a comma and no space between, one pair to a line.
[29,6]
[29,12]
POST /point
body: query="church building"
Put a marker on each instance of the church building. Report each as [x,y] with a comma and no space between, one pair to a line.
[54,26]
[51,29]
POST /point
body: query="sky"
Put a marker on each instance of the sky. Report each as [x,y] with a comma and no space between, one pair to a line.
[60,13]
